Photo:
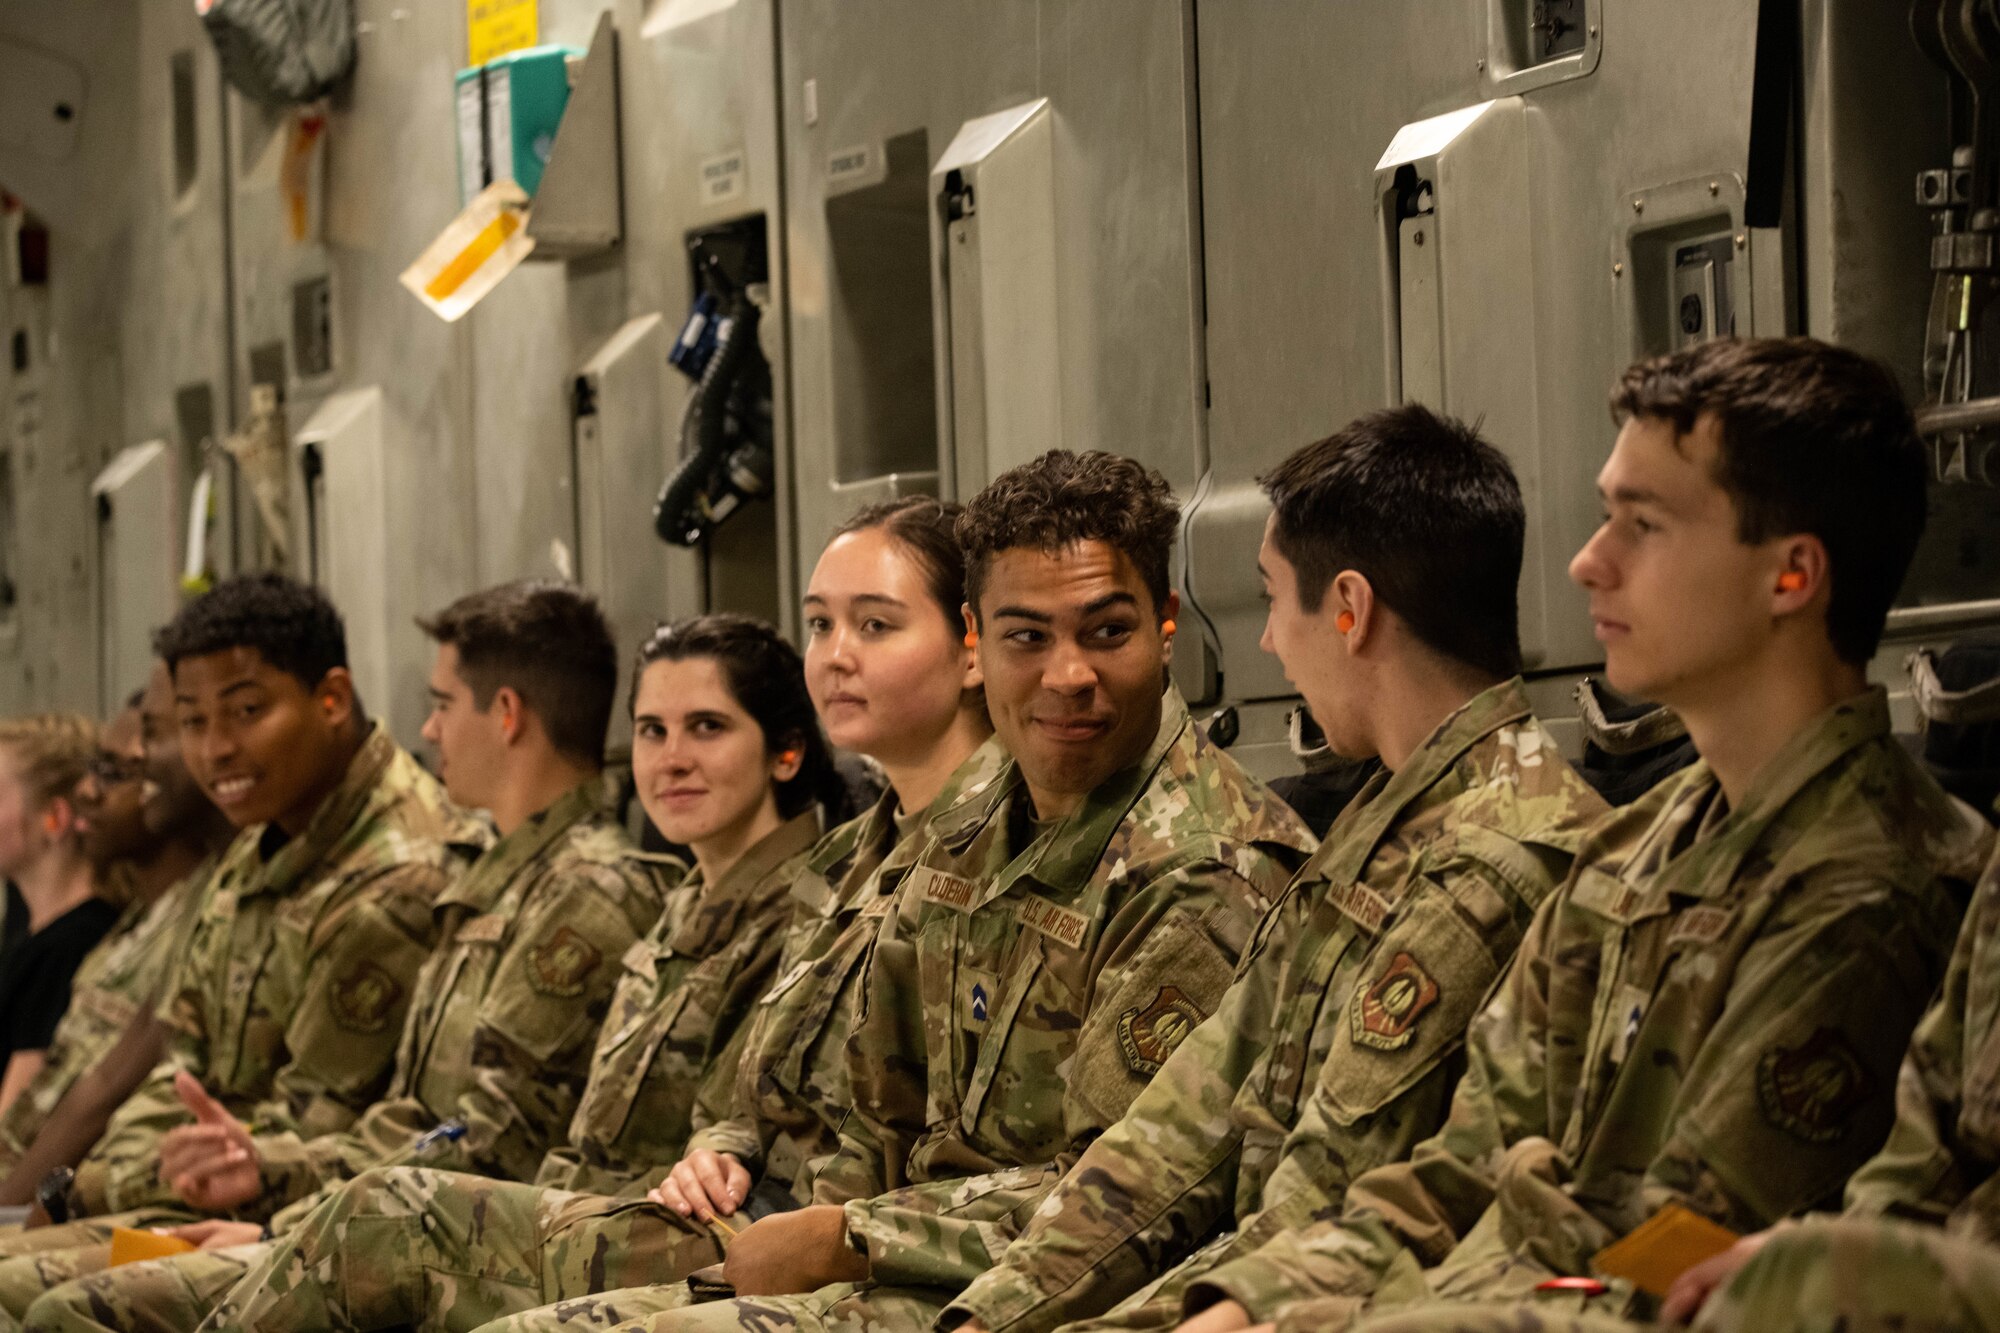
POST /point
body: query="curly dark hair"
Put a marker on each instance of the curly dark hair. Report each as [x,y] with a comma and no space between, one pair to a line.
[1063,498]
[292,626]
[928,529]
[1814,439]
[550,643]
[765,677]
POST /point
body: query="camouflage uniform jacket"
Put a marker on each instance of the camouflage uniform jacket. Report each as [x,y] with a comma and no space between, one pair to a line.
[298,971]
[507,1008]
[677,1018]
[1709,1011]
[781,1116]
[119,980]
[1339,1044]
[1941,1160]
[1027,986]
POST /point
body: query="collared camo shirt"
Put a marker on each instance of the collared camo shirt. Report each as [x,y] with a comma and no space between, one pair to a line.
[1030,982]
[1710,1011]
[1339,1045]
[299,969]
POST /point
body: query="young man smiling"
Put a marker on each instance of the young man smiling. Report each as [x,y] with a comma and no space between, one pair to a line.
[300,966]
[1078,910]
[1391,561]
[1709,1012]
[504,1015]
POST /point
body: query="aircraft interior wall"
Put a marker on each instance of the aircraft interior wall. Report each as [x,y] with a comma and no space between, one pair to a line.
[1198,232]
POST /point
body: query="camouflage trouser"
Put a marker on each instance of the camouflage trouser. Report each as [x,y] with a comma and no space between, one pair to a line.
[407,1247]
[1157,1305]
[1508,1304]
[1819,1277]
[1499,1317]
[1860,1277]
[171,1295]
[842,1308]
[33,1261]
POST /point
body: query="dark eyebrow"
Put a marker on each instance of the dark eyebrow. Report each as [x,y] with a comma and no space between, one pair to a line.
[239,686]
[1023,613]
[1109,600]
[1632,495]
[881,599]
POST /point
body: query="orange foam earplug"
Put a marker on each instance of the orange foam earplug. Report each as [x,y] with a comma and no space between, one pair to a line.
[1344,622]
[1792,580]
[1167,628]
[972,638]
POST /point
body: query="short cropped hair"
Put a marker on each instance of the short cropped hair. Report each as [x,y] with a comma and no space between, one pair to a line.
[291,624]
[1423,508]
[52,751]
[549,643]
[1814,439]
[927,528]
[1063,498]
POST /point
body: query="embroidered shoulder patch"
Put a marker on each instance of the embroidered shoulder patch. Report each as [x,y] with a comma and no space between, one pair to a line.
[560,964]
[1810,1091]
[1149,1035]
[363,1000]
[1386,1010]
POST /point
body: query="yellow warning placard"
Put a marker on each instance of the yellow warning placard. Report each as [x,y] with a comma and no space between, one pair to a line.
[495,27]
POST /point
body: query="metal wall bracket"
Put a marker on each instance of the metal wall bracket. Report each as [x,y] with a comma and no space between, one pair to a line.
[579,209]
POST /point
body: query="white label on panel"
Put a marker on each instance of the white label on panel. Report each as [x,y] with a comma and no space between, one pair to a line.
[846,163]
[724,178]
[500,122]
[471,143]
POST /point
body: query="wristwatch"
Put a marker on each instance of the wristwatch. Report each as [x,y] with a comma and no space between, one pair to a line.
[57,1195]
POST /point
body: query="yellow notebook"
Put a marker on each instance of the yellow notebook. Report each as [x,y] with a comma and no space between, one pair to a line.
[130,1247]
[1666,1245]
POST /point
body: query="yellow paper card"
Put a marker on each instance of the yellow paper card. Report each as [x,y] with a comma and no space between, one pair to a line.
[132,1247]
[1666,1245]
[495,27]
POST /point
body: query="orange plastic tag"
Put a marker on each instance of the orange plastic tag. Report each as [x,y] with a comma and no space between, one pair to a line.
[131,1247]
[1666,1245]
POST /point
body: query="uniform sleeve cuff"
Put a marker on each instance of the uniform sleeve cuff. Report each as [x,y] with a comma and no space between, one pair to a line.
[93,1189]
[285,1165]
[1247,1281]
[999,1299]
[729,1139]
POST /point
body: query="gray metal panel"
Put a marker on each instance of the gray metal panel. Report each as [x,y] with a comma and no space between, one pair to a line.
[137,530]
[1296,343]
[353,511]
[638,579]
[699,87]
[1117,75]
[1001,391]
